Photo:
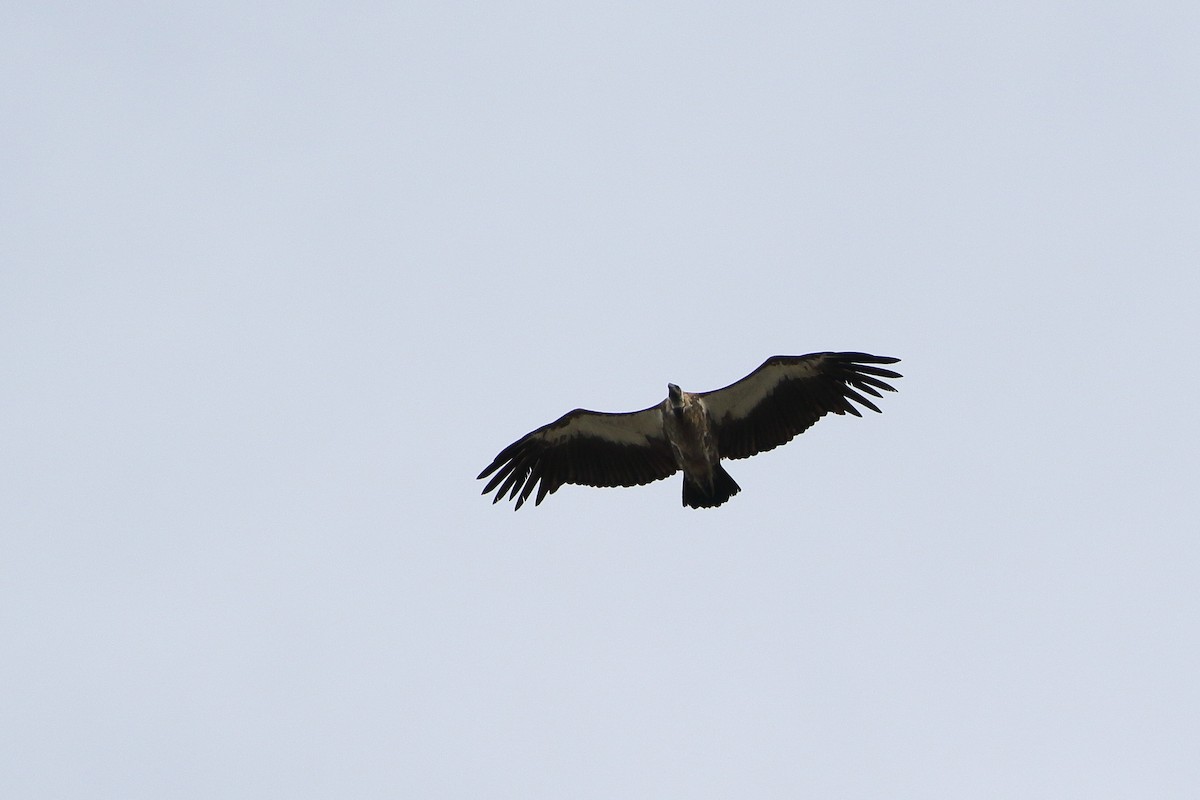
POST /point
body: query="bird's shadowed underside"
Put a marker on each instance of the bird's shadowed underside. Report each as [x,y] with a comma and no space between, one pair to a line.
[689,432]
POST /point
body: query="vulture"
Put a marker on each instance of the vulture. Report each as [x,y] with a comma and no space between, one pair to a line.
[689,432]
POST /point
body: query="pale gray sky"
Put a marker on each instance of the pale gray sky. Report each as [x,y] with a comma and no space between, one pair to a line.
[277,281]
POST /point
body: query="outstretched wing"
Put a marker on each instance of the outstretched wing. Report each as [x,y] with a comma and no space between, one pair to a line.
[585,447]
[787,394]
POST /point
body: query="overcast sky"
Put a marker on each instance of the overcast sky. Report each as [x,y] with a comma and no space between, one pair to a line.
[278,280]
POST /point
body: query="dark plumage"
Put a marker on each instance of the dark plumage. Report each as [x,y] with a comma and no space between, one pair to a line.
[688,431]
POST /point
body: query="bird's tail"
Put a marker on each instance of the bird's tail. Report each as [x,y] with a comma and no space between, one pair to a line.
[697,495]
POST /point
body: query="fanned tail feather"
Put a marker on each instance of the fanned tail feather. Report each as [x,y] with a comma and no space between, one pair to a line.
[696,495]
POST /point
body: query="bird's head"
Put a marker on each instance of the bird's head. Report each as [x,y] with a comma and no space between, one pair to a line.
[675,395]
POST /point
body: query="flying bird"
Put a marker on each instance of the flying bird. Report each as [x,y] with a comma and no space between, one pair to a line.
[689,431]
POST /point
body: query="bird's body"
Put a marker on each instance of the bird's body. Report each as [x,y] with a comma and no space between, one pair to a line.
[689,429]
[689,432]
